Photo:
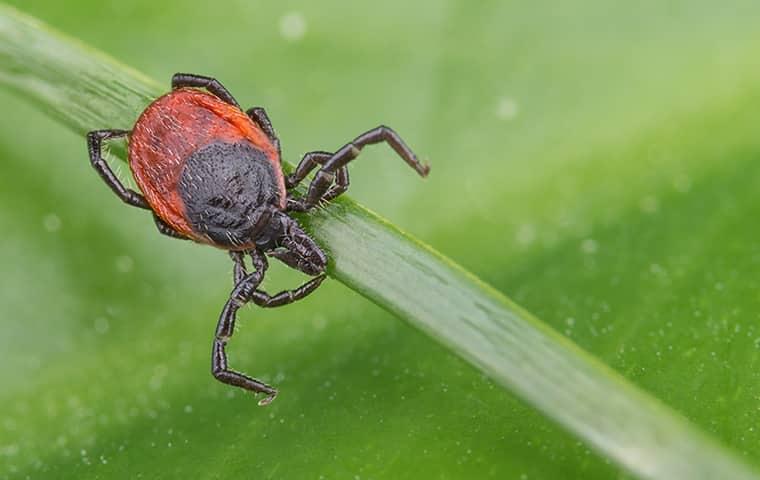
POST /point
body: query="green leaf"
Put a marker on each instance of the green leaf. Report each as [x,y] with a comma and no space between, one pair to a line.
[106,370]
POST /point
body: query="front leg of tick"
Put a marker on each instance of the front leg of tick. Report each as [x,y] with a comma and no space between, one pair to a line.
[246,290]
[285,297]
[244,287]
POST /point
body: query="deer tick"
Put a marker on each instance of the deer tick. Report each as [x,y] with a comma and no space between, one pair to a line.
[211,173]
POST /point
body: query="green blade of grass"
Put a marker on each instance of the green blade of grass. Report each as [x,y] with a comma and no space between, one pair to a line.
[86,90]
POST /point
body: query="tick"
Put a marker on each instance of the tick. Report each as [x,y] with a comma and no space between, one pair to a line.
[211,173]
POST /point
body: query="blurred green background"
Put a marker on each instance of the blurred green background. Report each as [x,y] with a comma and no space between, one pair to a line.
[596,161]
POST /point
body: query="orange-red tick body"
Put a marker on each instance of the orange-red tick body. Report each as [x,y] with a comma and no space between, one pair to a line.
[170,131]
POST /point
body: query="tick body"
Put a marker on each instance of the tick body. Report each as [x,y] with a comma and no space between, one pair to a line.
[211,173]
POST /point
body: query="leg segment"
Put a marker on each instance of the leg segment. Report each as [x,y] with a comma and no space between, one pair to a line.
[166,229]
[309,162]
[213,85]
[222,372]
[226,327]
[258,260]
[238,270]
[263,299]
[94,144]
[246,290]
[260,118]
[326,175]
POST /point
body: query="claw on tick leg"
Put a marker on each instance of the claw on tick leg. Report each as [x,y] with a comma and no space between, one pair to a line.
[268,399]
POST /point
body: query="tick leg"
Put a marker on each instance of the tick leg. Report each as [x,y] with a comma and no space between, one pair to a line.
[94,144]
[213,85]
[241,294]
[166,229]
[309,162]
[260,118]
[222,372]
[246,283]
[263,299]
[326,175]
[238,270]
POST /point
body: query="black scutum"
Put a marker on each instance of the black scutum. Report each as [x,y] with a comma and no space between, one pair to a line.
[222,184]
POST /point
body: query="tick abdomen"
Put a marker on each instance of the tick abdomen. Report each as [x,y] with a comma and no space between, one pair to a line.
[177,126]
[221,184]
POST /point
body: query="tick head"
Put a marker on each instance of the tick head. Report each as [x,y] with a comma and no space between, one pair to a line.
[284,239]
